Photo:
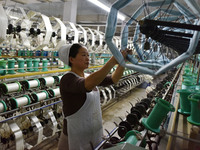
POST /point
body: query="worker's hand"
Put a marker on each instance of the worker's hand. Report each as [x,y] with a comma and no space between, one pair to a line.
[126,52]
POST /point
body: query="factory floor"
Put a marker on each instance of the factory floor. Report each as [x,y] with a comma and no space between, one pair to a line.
[121,109]
[110,114]
[115,112]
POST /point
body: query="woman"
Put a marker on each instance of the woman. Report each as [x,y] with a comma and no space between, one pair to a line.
[82,128]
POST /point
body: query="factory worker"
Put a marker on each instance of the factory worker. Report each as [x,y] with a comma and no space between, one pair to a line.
[82,127]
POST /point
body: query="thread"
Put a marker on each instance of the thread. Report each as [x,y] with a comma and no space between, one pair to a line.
[19,102]
[49,81]
[2,106]
[34,83]
[12,87]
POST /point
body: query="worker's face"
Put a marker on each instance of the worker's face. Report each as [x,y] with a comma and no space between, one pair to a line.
[82,59]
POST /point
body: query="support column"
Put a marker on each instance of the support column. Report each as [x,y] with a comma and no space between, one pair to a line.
[70,11]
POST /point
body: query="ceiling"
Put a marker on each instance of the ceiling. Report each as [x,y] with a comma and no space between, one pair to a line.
[87,13]
[84,7]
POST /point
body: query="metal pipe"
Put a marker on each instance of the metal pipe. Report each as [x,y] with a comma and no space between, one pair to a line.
[182,137]
[173,122]
[104,141]
[32,73]
[39,73]
[169,87]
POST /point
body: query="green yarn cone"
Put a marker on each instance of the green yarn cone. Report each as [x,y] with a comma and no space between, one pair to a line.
[194,118]
[157,115]
[11,65]
[21,65]
[36,64]
[44,65]
[3,67]
[29,63]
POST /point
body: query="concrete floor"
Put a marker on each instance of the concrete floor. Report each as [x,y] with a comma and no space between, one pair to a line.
[121,108]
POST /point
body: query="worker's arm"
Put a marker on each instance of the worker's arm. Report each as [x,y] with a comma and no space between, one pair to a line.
[97,77]
[117,74]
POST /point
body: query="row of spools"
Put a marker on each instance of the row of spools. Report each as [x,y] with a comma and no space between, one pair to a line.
[34,98]
[35,93]
[190,96]
[126,84]
[26,52]
[22,65]
[150,111]
[13,102]
[32,65]
[45,88]
[49,88]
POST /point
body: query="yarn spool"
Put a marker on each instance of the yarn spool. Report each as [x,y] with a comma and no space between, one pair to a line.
[11,66]
[11,87]
[40,96]
[3,106]
[34,83]
[19,102]
[157,115]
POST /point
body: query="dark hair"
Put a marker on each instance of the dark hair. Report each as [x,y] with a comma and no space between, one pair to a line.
[74,51]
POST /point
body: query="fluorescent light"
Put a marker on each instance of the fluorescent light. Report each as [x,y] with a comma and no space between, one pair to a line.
[13,17]
[106,8]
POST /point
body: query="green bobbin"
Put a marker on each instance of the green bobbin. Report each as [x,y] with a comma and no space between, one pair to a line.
[44,65]
[185,105]
[36,64]
[188,85]
[21,65]
[194,118]
[11,65]
[29,63]
[3,67]
[157,115]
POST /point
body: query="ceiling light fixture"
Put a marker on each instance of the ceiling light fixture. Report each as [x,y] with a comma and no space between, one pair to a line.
[106,8]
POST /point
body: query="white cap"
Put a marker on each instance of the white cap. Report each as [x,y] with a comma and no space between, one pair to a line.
[63,53]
